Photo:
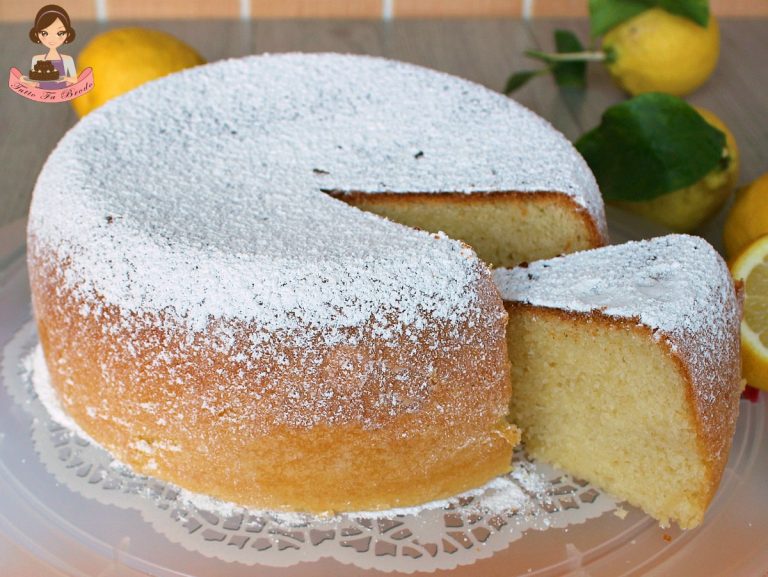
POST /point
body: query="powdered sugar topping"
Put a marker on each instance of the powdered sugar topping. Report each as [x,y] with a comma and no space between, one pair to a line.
[204,190]
[676,283]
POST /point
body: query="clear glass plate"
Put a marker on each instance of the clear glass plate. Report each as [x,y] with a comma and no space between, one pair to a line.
[85,538]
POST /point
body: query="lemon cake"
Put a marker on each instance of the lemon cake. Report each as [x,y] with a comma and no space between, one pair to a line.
[626,370]
[215,316]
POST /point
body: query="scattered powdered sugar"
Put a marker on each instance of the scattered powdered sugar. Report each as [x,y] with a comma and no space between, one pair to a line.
[35,371]
[501,495]
[519,491]
[200,195]
[530,481]
[677,284]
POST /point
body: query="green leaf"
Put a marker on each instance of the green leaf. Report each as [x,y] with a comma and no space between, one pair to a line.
[572,74]
[607,14]
[650,145]
[696,10]
[518,79]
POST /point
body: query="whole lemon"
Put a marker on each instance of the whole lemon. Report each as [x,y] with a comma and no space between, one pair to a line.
[748,218]
[657,51]
[685,209]
[125,58]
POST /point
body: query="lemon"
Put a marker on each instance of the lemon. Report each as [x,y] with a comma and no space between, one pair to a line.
[751,266]
[748,218]
[657,51]
[686,209]
[125,58]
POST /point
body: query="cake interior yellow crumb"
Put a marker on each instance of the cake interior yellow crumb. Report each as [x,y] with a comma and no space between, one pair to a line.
[503,229]
[605,402]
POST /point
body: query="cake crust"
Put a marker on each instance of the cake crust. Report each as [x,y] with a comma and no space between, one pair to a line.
[317,429]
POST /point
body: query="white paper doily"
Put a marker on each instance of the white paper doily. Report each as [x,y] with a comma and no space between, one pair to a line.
[439,536]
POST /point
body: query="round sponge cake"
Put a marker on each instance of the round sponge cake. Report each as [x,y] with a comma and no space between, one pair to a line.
[216,316]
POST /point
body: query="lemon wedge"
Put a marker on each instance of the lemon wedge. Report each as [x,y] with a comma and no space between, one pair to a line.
[751,266]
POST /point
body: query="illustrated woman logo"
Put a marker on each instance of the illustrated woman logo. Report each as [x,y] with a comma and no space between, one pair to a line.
[52,76]
[52,29]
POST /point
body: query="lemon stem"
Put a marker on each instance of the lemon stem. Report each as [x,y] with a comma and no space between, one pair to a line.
[593,56]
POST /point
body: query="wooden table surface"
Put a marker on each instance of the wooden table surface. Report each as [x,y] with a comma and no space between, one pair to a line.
[484,51]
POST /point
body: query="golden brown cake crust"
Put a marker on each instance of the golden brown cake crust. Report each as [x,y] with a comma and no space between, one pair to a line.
[174,405]
[716,408]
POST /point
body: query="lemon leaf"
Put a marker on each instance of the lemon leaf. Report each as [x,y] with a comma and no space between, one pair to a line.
[519,79]
[607,14]
[568,73]
[696,10]
[650,145]
[573,74]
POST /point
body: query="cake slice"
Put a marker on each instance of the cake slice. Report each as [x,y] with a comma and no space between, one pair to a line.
[626,371]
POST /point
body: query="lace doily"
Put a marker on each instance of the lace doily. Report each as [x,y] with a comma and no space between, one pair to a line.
[440,535]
